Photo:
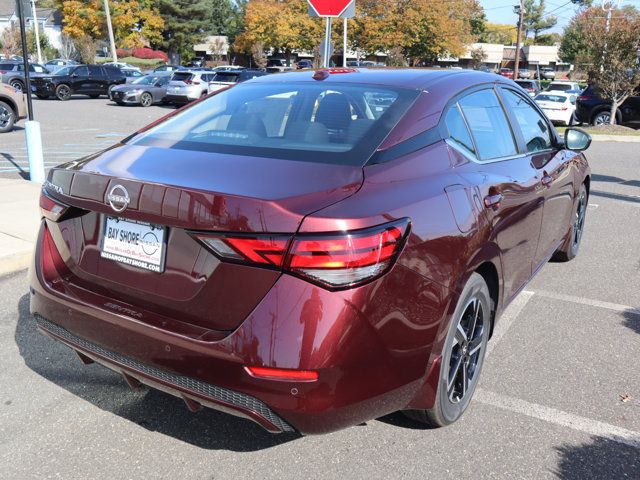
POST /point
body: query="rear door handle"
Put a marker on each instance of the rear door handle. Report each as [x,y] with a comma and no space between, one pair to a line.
[546,180]
[493,201]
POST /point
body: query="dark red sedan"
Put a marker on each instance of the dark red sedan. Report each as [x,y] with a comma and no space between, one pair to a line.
[311,250]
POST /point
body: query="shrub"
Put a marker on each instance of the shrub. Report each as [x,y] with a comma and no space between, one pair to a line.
[121,52]
[149,54]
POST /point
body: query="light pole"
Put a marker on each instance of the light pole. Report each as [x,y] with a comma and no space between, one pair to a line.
[608,6]
[519,9]
[36,29]
[107,13]
[31,127]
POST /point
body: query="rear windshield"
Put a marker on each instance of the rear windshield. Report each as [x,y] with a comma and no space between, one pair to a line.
[525,84]
[551,98]
[182,76]
[226,77]
[561,87]
[338,123]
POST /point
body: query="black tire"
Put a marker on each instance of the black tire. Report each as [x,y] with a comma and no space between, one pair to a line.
[42,97]
[602,118]
[94,95]
[63,92]
[146,99]
[119,102]
[570,248]
[7,117]
[463,354]
[17,84]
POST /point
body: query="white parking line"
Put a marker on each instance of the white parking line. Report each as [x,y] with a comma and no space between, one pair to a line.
[616,307]
[510,314]
[558,417]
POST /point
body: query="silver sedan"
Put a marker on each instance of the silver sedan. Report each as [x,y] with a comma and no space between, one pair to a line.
[144,91]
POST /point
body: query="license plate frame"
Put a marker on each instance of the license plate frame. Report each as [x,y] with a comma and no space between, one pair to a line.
[149,260]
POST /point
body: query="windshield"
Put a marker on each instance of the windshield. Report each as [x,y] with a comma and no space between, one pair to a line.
[562,87]
[551,98]
[341,124]
[64,71]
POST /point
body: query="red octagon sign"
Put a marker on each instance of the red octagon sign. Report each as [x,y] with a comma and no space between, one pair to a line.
[329,8]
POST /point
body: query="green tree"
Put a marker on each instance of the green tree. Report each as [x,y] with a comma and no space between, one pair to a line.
[498,33]
[186,23]
[534,20]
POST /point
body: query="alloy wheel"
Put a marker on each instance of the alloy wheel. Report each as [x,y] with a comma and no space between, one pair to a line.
[17,85]
[466,350]
[602,118]
[578,223]
[63,92]
[6,115]
[146,100]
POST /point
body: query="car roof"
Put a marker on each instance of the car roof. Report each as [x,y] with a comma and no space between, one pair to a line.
[411,78]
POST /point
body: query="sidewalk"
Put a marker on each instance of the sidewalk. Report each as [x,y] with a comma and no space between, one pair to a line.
[19,221]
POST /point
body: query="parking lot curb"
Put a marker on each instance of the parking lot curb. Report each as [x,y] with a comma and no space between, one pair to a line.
[15,262]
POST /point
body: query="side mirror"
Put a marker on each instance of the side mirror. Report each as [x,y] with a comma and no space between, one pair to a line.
[576,139]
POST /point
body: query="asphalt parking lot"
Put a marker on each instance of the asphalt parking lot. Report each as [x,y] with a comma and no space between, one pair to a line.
[559,396]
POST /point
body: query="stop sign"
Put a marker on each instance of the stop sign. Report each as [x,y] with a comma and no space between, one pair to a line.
[330,8]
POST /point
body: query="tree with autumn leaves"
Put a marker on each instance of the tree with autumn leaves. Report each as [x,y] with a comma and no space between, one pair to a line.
[422,29]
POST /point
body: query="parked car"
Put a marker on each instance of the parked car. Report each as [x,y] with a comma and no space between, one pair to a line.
[91,80]
[524,73]
[506,72]
[120,65]
[12,73]
[224,79]
[188,85]
[592,109]
[561,86]
[12,107]
[57,63]
[531,86]
[167,68]
[196,62]
[278,252]
[131,74]
[143,91]
[304,64]
[559,107]
[546,73]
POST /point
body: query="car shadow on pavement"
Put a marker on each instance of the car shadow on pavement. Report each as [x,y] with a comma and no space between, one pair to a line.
[151,409]
[598,459]
[632,320]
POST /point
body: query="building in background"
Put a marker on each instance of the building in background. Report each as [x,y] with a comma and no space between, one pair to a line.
[49,21]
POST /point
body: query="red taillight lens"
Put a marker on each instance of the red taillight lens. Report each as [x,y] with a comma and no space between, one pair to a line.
[283,374]
[52,209]
[264,250]
[346,259]
[583,98]
[334,260]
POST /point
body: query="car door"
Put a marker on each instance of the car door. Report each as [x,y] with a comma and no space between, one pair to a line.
[553,169]
[80,80]
[97,80]
[504,179]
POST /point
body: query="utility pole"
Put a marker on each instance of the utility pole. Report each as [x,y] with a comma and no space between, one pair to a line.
[519,9]
[36,29]
[114,54]
[608,6]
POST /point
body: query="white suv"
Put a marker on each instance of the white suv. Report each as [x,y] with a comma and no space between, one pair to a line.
[188,85]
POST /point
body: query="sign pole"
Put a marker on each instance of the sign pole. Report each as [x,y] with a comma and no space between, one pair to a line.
[344,44]
[327,44]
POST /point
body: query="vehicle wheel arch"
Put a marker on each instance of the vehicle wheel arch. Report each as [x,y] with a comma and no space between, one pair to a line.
[605,108]
[18,81]
[11,104]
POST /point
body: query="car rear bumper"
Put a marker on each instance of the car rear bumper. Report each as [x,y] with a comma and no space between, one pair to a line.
[370,362]
[179,99]
[558,116]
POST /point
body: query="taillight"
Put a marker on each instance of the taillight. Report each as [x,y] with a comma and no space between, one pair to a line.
[191,82]
[583,98]
[265,250]
[333,260]
[52,209]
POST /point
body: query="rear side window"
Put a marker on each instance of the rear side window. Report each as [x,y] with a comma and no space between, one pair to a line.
[489,125]
[457,129]
[81,72]
[306,121]
[7,67]
[95,71]
[534,128]
[182,76]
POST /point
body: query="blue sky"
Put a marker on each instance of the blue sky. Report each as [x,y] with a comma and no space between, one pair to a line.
[501,11]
